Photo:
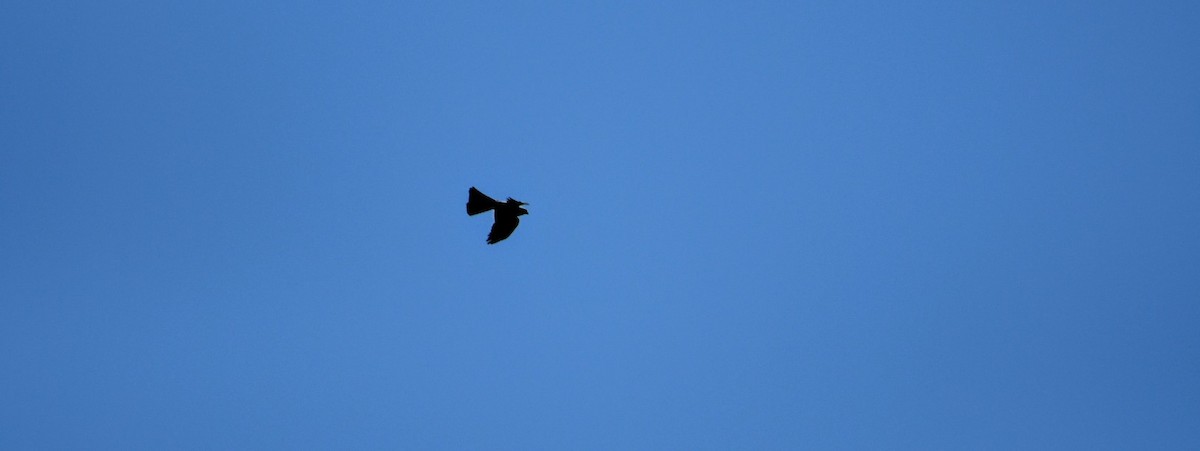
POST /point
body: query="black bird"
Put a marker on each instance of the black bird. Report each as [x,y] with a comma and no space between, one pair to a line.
[506,213]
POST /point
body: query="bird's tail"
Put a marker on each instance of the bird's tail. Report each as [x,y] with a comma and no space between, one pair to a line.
[478,202]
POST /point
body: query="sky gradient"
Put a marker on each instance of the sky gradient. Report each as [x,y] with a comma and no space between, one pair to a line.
[753,225]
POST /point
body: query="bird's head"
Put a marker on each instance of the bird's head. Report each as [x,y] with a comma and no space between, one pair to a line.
[516,204]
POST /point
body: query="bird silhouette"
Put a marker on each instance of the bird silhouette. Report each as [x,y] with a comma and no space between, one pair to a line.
[506,213]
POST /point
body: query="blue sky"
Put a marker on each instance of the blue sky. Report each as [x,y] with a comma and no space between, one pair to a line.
[753,225]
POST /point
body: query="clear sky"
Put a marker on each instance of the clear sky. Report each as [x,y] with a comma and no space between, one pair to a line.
[753,225]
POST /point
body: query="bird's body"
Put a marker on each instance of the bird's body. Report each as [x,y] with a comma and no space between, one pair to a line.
[506,213]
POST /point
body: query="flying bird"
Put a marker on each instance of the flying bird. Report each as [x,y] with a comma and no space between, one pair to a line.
[506,213]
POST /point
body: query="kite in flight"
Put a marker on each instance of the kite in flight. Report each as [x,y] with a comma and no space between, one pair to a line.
[506,213]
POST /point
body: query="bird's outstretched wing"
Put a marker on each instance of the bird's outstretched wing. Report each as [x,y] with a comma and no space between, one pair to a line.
[502,228]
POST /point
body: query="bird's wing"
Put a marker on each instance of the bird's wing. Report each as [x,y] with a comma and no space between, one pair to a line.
[502,228]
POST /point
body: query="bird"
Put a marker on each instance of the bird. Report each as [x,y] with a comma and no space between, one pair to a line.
[506,213]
